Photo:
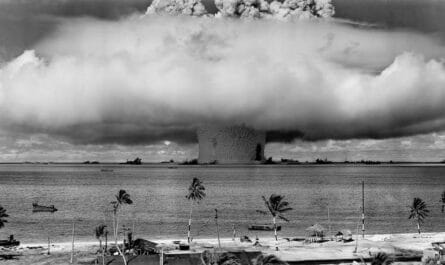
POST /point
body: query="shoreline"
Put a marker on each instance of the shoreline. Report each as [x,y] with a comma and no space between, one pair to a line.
[168,240]
[408,244]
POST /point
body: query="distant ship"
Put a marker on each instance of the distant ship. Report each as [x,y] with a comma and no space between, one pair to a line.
[11,242]
[41,208]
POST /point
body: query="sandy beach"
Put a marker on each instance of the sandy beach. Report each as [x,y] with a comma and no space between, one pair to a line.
[289,250]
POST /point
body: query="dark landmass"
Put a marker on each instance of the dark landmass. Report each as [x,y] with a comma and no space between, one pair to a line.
[92,162]
[190,162]
[136,161]
[269,161]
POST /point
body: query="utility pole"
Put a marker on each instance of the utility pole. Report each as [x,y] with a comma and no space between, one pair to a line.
[356,240]
[363,209]
[217,227]
[72,245]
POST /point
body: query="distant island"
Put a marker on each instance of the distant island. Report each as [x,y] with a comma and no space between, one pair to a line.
[92,162]
[136,161]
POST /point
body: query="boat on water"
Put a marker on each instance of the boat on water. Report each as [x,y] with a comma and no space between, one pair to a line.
[11,242]
[263,227]
[42,208]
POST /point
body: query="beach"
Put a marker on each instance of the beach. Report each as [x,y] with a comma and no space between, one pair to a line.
[290,251]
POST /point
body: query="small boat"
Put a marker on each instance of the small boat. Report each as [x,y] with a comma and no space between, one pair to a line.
[183,246]
[42,208]
[106,170]
[264,227]
[11,242]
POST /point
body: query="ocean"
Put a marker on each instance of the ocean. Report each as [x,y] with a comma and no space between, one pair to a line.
[83,193]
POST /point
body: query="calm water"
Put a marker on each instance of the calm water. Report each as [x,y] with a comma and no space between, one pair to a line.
[160,208]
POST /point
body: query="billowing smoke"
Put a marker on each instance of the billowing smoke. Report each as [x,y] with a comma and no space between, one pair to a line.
[283,10]
[141,80]
[177,7]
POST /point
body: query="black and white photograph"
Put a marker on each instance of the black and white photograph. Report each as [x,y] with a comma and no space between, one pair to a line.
[222,132]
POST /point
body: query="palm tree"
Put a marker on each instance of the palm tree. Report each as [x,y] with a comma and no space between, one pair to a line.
[443,200]
[418,211]
[277,206]
[100,232]
[229,259]
[195,193]
[268,260]
[122,198]
[381,258]
[3,216]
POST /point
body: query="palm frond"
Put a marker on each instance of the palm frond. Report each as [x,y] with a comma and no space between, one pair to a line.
[228,259]
[381,258]
[285,210]
[100,231]
[268,260]
[283,218]
[418,210]
[196,190]
[3,216]
[276,206]
[261,212]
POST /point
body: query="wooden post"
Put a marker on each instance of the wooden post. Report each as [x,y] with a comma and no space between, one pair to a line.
[72,244]
[217,227]
[329,222]
[106,240]
[363,209]
[234,232]
[49,245]
[356,240]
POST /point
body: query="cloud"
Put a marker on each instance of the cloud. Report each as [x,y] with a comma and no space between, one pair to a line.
[177,7]
[284,10]
[143,80]
[260,9]
[419,148]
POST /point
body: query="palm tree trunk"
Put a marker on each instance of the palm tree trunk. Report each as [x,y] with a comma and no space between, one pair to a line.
[418,226]
[190,222]
[117,246]
[102,250]
[275,231]
[114,228]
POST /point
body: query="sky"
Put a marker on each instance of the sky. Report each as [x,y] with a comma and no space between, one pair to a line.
[96,80]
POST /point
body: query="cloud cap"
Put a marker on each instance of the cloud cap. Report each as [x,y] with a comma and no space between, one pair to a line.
[142,80]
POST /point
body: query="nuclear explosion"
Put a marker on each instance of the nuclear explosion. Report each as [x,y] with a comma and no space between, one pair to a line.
[230,145]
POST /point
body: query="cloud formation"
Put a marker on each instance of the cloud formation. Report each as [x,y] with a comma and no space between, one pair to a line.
[283,10]
[259,9]
[177,7]
[143,80]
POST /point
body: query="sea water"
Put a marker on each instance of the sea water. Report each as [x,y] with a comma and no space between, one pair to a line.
[83,194]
